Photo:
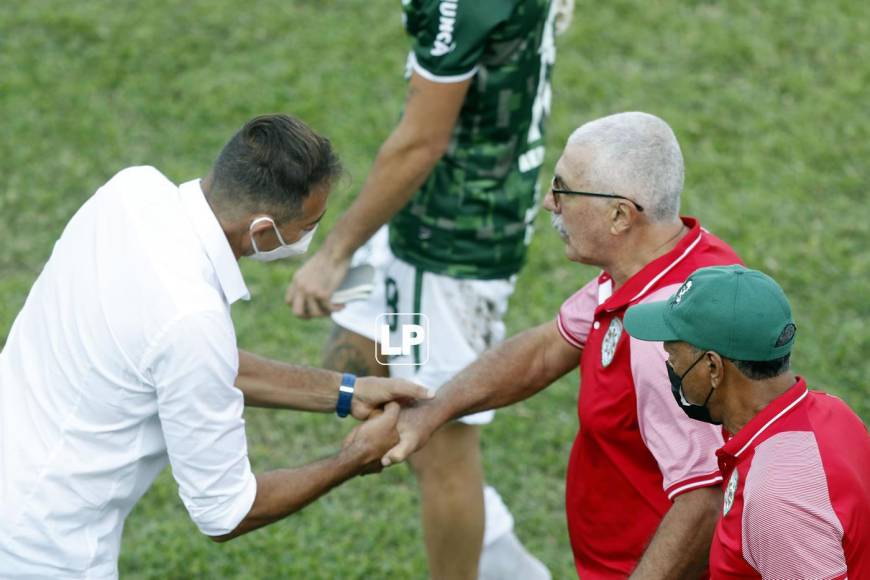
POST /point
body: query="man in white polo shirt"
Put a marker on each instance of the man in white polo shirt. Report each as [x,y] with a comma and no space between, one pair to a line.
[124,356]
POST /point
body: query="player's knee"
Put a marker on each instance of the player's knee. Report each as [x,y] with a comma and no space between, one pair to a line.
[452,455]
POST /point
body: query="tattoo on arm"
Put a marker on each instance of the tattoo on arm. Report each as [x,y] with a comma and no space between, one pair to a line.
[412,92]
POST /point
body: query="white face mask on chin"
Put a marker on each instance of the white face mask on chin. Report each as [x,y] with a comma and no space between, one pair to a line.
[283,250]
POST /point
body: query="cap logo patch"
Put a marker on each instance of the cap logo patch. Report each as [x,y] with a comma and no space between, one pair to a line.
[786,335]
[682,292]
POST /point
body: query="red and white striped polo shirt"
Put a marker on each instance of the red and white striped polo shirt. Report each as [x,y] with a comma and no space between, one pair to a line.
[635,450]
[797,493]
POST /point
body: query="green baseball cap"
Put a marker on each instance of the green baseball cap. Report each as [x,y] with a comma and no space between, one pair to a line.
[741,314]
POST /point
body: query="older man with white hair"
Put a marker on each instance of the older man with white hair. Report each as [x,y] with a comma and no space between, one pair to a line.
[642,486]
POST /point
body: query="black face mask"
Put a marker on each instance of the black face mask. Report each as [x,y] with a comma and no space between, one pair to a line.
[696,412]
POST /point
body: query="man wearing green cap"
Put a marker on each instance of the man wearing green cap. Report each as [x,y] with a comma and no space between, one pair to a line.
[797,466]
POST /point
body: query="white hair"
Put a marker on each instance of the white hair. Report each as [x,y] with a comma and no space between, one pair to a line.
[635,155]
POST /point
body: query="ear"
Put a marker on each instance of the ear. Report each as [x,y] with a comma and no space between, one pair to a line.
[622,215]
[717,368]
[258,225]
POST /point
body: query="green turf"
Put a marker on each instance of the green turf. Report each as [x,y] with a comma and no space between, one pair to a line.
[765,98]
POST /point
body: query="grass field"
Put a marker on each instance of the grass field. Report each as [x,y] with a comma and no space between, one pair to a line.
[765,98]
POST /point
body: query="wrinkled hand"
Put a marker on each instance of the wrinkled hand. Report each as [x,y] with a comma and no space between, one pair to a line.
[309,293]
[372,393]
[370,440]
[415,426]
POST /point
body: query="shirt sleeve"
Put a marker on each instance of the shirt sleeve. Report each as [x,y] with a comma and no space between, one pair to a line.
[449,37]
[200,413]
[790,529]
[576,314]
[685,449]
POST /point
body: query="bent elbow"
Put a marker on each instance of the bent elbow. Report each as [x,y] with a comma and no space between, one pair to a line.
[430,150]
[438,146]
[223,538]
[235,533]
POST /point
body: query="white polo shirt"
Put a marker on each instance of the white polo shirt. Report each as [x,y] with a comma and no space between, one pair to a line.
[123,356]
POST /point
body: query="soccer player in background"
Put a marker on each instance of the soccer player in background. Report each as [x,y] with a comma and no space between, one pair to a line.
[456,182]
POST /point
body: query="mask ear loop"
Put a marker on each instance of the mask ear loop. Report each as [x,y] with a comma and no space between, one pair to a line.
[683,376]
[710,394]
[274,227]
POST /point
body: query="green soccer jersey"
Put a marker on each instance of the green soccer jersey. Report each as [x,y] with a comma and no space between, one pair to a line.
[473,216]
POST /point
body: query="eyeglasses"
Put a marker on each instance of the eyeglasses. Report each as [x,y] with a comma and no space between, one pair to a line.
[557,191]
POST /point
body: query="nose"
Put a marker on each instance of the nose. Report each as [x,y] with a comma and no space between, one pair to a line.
[550,203]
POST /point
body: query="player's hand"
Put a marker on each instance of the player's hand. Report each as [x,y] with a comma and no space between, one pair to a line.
[372,393]
[368,441]
[309,293]
[415,427]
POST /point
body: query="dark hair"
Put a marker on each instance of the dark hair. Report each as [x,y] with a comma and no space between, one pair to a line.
[272,164]
[765,369]
[758,370]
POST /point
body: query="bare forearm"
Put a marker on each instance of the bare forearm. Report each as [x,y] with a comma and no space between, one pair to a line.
[681,545]
[401,167]
[269,383]
[285,491]
[404,161]
[515,370]
[511,372]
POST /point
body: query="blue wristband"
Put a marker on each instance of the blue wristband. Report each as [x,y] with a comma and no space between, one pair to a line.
[345,394]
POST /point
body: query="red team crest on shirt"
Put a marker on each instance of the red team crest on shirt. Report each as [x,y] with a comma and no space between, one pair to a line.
[611,339]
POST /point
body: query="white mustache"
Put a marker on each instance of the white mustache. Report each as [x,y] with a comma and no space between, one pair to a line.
[558,225]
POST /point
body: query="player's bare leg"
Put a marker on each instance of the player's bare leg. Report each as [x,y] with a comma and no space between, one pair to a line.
[448,472]
[451,494]
[450,478]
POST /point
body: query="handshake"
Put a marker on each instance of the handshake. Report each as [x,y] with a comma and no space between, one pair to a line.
[398,418]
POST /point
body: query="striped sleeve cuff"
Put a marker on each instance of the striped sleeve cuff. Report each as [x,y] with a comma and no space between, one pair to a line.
[430,76]
[693,483]
[567,335]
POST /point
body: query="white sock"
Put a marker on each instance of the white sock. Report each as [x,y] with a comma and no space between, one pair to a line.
[498,520]
[504,557]
[507,559]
